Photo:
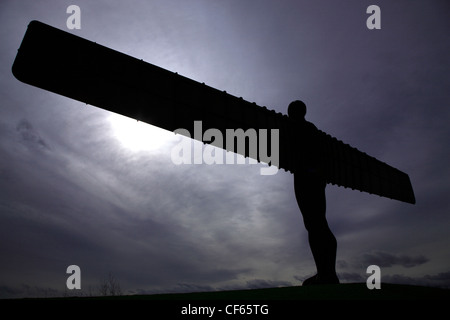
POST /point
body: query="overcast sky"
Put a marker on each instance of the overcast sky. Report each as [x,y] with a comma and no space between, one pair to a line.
[78,185]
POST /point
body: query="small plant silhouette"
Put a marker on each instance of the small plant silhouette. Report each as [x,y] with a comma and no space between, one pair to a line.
[110,286]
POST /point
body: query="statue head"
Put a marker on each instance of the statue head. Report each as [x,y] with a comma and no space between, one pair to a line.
[297,110]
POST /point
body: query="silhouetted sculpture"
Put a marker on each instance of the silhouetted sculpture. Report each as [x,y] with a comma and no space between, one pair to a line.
[309,185]
[80,69]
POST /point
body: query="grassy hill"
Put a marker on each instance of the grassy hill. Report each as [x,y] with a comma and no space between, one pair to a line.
[327,292]
[353,291]
[347,300]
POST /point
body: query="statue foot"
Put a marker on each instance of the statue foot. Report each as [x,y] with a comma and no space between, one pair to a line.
[317,279]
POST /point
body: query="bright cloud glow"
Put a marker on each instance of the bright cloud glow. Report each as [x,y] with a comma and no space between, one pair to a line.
[139,136]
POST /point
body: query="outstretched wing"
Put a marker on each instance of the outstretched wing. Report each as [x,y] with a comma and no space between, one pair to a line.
[80,69]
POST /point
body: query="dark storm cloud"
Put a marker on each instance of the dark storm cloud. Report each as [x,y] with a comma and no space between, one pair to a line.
[352,277]
[384,259]
[29,135]
[427,280]
[441,279]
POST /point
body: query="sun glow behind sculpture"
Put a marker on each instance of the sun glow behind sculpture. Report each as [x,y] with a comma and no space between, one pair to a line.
[137,135]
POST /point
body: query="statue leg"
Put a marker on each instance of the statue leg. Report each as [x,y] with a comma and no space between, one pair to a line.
[310,195]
